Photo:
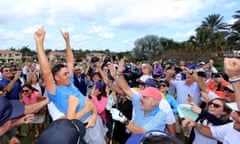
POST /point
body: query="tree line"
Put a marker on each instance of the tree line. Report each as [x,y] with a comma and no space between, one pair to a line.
[213,38]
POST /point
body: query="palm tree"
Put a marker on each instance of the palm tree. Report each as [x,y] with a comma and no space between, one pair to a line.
[234,37]
[210,34]
[214,22]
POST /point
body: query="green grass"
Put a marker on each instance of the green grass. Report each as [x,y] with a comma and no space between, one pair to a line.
[25,140]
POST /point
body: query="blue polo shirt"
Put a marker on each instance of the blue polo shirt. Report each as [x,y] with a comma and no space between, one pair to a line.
[62,95]
[14,93]
[155,120]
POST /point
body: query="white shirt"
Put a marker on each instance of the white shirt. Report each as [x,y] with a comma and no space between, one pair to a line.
[214,70]
[143,78]
[0,76]
[166,108]
[226,134]
[54,112]
[233,106]
[202,139]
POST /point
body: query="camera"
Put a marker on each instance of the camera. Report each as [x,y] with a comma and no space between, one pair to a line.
[94,59]
[107,59]
[216,75]
[201,74]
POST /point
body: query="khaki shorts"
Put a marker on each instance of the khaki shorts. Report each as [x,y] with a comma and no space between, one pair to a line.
[177,124]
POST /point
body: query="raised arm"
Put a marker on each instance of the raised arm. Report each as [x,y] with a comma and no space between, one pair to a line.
[9,87]
[69,54]
[232,69]
[201,82]
[119,77]
[39,36]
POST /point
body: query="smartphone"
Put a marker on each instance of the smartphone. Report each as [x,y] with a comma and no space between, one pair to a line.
[190,98]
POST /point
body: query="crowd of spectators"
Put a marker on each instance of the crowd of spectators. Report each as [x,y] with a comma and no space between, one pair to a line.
[118,101]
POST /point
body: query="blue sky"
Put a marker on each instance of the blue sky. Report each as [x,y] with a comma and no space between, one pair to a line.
[105,24]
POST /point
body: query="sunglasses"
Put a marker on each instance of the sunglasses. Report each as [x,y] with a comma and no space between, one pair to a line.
[214,105]
[227,89]
[162,85]
[77,69]
[25,91]
[7,70]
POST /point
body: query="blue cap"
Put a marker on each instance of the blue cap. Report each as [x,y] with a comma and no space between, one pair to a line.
[98,85]
[10,109]
[150,82]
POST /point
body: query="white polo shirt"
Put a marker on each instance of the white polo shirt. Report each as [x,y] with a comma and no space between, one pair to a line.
[226,134]
[166,108]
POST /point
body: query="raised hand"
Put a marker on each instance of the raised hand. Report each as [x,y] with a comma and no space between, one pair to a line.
[117,115]
[195,108]
[92,92]
[65,35]
[232,67]
[112,69]
[17,75]
[39,35]
[121,65]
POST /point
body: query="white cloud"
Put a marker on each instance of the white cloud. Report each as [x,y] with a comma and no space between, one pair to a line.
[96,29]
[91,23]
[106,35]
[230,5]
[232,21]
[79,38]
[31,29]
[125,41]
[184,36]
[156,12]
[101,31]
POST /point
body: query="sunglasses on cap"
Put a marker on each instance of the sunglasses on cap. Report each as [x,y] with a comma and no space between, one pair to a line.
[214,105]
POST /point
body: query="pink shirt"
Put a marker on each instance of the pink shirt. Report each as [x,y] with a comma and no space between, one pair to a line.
[101,105]
[30,100]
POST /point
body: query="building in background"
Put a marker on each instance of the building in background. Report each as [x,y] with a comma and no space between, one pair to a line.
[7,56]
